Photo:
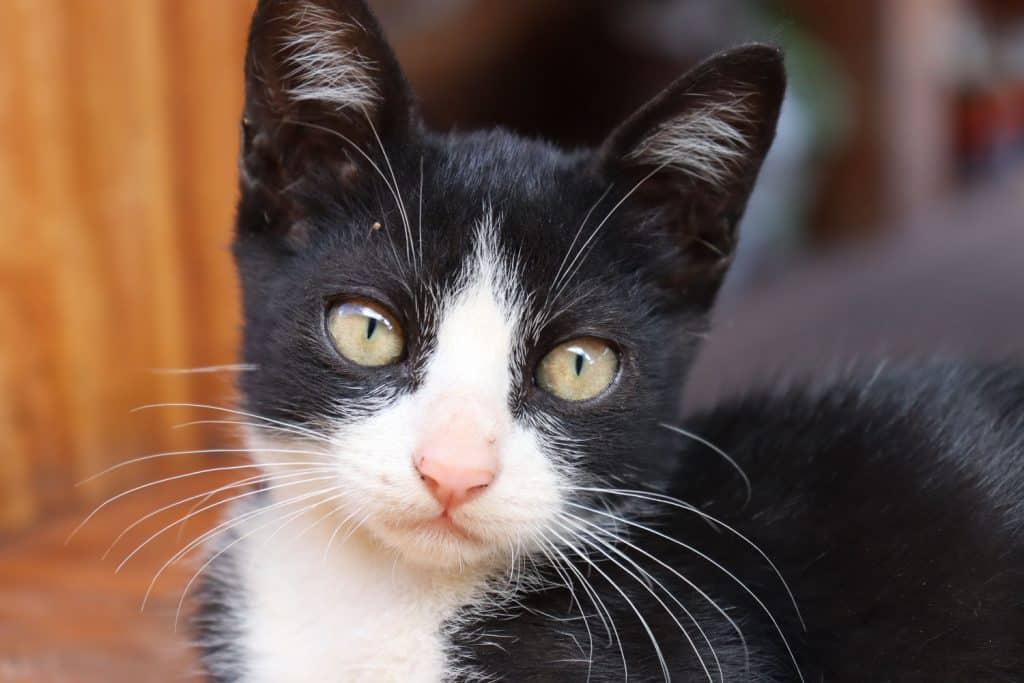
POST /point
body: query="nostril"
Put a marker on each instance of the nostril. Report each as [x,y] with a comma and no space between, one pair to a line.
[430,478]
[479,479]
[429,481]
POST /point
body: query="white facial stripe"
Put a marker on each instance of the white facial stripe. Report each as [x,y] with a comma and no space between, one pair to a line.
[473,351]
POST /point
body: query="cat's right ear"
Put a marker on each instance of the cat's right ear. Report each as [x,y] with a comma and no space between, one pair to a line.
[691,156]
[323,95]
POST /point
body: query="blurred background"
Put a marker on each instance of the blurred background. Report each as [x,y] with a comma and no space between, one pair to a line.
[889,221]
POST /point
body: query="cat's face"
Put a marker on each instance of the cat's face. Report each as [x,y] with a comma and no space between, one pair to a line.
[460,332]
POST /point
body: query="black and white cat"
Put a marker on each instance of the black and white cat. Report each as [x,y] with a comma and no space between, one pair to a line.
[469,353]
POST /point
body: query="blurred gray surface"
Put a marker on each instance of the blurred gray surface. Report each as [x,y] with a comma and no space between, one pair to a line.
[948,284]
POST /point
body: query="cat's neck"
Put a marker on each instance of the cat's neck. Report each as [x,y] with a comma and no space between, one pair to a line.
[354,610]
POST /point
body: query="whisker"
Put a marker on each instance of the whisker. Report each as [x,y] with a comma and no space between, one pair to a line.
[683,578]
[204,496]
[211,506]
[254,479]
[586,218]
[683,505]
[330,511]
[725,456]
[572,593]
[398,196]
[714,562]
[200,451]
[595,599]
[597,544]
[254,425]
[337,529]
[221,528]
[232,411]
[292,516]
[340,526]
[419,226]
[643,572]
[639,615]
[206,369]
[194,473]
[362,153]
[512,562]
[580,254]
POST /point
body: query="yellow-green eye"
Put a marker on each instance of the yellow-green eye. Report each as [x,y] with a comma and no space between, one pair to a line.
[364,332]
[578,369]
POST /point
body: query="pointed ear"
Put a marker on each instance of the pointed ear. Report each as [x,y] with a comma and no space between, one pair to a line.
[695,151]
[321,84]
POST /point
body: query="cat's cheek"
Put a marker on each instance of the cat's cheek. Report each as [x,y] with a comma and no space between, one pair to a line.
[373,458]
[294,470]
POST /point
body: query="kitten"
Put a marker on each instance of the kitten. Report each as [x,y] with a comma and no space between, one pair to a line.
[469,352]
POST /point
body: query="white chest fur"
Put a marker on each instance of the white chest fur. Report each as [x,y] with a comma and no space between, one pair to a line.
[354,614]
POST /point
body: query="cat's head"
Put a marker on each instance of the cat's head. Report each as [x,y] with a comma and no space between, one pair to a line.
[454,331]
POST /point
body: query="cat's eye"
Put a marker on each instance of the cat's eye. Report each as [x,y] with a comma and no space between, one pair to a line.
[578,369]
[365,332]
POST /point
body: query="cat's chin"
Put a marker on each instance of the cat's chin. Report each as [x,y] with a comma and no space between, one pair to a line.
[438,542]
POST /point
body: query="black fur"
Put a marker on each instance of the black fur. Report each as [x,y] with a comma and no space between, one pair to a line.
[219,619]
[889,503]
[892,506]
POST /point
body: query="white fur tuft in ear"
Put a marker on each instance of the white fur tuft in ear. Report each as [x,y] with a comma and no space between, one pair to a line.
[706,143]
[323,68]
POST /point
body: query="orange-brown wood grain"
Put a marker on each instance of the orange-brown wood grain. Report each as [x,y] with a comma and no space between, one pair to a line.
[67,617]
[118,136]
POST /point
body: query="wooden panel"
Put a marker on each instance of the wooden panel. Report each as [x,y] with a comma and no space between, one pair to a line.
[118,135]
[66,616]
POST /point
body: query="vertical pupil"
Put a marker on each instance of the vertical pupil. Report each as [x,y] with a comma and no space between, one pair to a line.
[579,364]
[371,327]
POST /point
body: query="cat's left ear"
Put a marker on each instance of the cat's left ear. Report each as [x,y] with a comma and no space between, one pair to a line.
[693,153]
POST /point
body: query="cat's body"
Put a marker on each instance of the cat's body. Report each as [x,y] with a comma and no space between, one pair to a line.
[468,351]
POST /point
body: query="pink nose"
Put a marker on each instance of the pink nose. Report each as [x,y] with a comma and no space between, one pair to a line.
[455,472]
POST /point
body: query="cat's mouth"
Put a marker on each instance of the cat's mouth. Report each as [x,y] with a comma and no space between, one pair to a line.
[439,524]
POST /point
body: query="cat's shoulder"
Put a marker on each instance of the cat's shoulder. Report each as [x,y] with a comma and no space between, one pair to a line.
[938,439]
[892,498]
[959,406]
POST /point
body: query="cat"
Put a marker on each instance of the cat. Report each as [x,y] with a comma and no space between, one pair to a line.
[468,355]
